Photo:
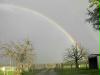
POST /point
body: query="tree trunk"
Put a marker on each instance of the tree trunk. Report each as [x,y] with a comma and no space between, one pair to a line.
[76,63]
[71,66]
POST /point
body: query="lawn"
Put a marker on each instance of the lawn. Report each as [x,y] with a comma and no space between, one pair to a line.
[1,73]
[77,72]
[8,73]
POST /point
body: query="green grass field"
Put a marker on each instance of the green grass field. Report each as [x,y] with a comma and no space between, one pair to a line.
[1,73]
[8,73]
[77,72]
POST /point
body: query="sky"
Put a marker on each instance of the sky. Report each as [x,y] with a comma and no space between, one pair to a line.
[48,40]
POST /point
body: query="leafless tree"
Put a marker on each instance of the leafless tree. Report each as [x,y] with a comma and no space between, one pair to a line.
[21,52]
[75,53]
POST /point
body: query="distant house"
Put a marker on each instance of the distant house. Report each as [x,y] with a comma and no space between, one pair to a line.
[94,61]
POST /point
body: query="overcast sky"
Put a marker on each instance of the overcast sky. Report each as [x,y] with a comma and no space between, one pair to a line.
[49,42]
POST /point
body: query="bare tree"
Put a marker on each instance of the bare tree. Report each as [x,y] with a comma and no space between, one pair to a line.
[75,53]
[22,53]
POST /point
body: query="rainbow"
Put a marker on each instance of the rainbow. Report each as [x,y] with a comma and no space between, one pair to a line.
[73,41]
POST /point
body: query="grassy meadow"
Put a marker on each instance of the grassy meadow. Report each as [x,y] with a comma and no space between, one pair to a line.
[77,72]
[7,73]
